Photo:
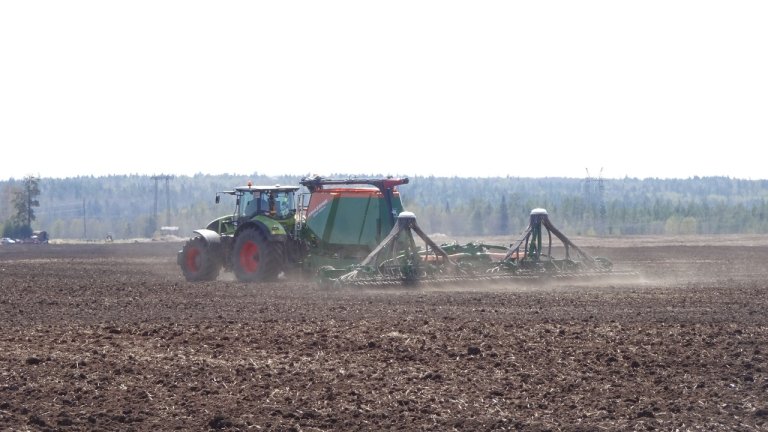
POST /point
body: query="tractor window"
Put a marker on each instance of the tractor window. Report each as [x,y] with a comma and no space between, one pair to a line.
[280,202]
[251,206]
[284,205]
[264,203]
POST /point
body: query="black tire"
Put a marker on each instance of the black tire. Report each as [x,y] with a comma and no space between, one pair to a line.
[198,261]
[255,259]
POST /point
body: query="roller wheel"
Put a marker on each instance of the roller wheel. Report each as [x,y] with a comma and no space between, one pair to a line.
[198,262]
[255,259]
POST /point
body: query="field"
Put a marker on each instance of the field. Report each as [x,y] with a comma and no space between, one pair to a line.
[111,337]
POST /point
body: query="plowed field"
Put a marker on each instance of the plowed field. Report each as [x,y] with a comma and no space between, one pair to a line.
[111,337]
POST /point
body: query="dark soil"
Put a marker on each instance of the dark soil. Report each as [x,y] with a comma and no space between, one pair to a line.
[111,337]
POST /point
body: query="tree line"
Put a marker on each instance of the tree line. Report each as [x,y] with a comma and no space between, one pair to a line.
[137,206]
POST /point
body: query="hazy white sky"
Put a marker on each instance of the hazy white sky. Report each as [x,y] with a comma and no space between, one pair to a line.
[668,89]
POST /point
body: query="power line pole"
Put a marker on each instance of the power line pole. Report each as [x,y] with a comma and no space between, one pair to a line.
[167,202]
[167,179]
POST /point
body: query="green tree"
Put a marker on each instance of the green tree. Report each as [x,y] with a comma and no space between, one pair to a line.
[9,230]
[688,225]
[25,201]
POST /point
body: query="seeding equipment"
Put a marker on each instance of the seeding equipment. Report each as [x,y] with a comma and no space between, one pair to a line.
[335,224]
[354,232]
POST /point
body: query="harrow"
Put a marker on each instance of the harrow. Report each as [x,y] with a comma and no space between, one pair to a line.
[400,261]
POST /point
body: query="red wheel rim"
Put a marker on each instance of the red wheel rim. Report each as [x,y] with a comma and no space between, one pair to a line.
[192,262]
[249,257]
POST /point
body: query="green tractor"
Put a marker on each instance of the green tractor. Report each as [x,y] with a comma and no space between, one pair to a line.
[354,232]
[332,224]
[252,242]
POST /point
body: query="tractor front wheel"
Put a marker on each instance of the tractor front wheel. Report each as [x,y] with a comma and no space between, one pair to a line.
[255,259]
[198,262]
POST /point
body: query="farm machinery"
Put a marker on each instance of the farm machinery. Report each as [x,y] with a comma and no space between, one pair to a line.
[354,232]
[272,230]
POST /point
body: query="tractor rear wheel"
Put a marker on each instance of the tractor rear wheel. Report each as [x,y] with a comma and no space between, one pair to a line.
[198,262]
[255,259]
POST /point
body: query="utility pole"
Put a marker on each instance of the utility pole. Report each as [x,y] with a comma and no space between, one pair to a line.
[167,179]
[167,202]
[603,212]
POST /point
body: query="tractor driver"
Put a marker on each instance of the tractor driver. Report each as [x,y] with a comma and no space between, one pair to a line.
[281,205]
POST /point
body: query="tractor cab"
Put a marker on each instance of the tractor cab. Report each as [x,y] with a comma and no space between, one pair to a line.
[275,202]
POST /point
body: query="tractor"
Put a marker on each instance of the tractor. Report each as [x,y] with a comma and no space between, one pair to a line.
[354,232]
[333,223]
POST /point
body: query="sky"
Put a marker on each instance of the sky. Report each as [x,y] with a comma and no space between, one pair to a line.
[651,89]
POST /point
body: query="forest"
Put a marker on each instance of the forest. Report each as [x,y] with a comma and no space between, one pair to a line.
[138,206]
